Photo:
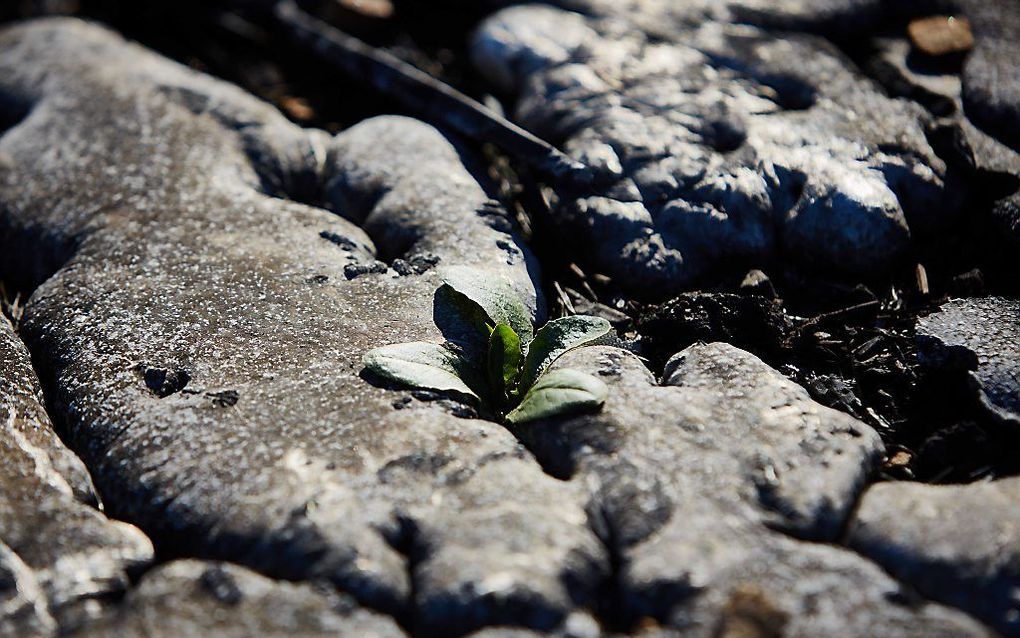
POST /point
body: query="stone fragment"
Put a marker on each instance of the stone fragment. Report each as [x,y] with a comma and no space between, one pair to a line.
[710,488]
[958,544]
[376,9]
[981,336]
[938,36]
[757,283]
[159,207]
[195,598]
[715,144]
[57,554]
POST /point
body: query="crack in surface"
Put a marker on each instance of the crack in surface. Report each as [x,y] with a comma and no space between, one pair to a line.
[911,596]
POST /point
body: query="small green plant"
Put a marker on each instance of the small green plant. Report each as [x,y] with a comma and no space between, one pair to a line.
[493,359]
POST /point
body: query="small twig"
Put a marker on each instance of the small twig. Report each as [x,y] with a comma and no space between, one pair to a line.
[582,278]
[564,299]
[827,316]
[434,100]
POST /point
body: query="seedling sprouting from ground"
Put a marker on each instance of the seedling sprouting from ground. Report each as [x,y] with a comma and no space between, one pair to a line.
[493,358]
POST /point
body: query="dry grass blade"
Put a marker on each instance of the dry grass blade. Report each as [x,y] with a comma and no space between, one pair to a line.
[11,305]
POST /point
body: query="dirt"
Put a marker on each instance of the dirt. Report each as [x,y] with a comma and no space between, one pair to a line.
[859,357]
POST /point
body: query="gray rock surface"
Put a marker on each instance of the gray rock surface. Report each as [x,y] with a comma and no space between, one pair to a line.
[57,553]
[941,90]
[663,16]
[991,95]
[196,598]
[202,333]
[205,335]
[959,544]
[989,85]
[24,416]
[991,77]
[983,337]
[704,487]
[1007,211]
[720,145]
[991,80]
[828,16]
[23,607]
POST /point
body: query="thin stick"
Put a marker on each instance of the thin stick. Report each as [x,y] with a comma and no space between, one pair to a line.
[826,316]
[434,100]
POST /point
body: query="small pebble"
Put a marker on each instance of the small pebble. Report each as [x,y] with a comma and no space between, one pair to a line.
[757,282]
[376,9]
[938,36]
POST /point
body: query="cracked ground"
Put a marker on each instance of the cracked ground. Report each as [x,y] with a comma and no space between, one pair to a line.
[801,218]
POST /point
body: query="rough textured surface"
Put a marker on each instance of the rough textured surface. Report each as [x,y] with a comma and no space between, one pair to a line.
[983,337]
[23,607]
[719,146]
[991,95]
[941,91]
[57,554]
[991,80]
[958,544]
[836,17]
[991,76]
[663,16]
[990,88]
[194,598]
[204,337]
[27,425]
[703,486]
[201,333]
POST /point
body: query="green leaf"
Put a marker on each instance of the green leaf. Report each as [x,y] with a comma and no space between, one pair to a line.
[463,323]
[558,337]
[422,365]
[494,295]
[559,393]
[504,360]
